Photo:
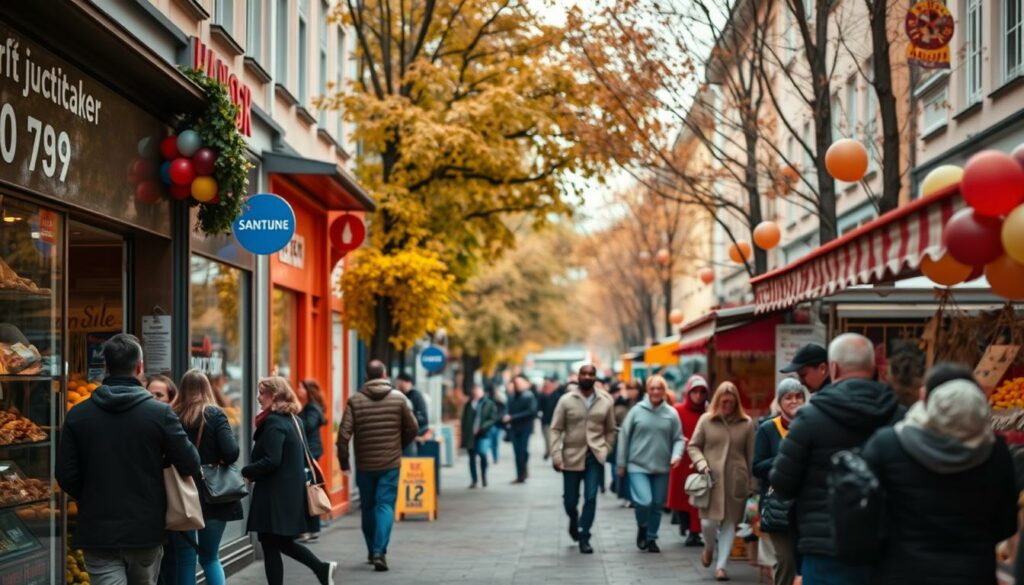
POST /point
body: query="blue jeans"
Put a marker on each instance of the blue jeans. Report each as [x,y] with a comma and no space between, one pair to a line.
[378,491]
[521,448]
[648,491]
[478,453]
[209,554]
[823,570]
[495,442]
[591,479]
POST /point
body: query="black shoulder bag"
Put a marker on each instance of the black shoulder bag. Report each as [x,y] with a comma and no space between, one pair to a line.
[222,484]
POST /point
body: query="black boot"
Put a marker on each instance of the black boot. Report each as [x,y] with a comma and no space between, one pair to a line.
[652,546]
[574,528]
[380,564]
[641,537]
[693,539]
[585,547]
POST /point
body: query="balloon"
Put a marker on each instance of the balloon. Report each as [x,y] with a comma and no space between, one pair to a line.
[663,257]
[1018,153]
[142,169]
[993,183]
[148,147]
[169,148]
[204,189]
[741,252]
[182,172]
[945,271]
[707,275]
[165,172]
[975,274]
[180,192]
[1006,277]
[189,142]
[767,235]
[973,239]
[940,178]
[675,316]
[1013,234]
[203,161]
[847,160]
[148,192]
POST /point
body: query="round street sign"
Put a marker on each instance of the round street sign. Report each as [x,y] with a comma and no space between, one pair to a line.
[433,359]
[347,233]
[266,225]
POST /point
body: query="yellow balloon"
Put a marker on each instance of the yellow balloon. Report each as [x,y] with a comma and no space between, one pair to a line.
[940,178]
[204,189]
[1013,234]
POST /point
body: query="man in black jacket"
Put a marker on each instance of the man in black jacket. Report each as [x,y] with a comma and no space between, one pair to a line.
[113,449]
[553,392]
[841,416]
[419,410]
[810,364]
[522,414]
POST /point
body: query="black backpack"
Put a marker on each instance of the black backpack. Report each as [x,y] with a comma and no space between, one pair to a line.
[856,502]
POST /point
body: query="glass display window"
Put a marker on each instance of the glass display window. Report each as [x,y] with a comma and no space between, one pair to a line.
[285,334]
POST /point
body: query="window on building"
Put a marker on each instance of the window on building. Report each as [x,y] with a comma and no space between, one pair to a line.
[837,112]
[254,29]
[224,14]
[324,10]
[972,52]
[303,52]
[281,43]
[870,121]
[790,160]
[1013,39]
[852,105]
[339,67]
[935,111]
[809,170]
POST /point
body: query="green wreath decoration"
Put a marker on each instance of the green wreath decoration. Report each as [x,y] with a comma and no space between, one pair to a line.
[216,125]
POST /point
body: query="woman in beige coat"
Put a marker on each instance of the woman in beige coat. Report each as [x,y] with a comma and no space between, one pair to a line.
[723,445]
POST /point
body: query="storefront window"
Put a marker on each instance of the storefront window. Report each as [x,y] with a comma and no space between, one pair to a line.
[30,358]
[219,306]
[285,333]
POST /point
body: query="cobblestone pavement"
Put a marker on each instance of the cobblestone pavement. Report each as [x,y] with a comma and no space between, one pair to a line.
[507,534]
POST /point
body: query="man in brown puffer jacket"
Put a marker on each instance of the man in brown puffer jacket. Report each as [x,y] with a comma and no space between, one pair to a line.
[380,419]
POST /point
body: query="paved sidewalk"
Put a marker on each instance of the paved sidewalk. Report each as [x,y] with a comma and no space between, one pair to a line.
[507,534]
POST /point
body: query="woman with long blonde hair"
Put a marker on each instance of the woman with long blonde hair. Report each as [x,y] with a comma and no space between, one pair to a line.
[207,427]
[723,445]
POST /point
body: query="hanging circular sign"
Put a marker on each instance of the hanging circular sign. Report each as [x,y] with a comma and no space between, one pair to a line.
[347,233]
[433,359]
[266,225]
[929,24]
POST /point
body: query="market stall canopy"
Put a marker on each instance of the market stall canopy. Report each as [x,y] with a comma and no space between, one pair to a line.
[335,187]
[887,248]
[663,353]
[734,330]
[695,335]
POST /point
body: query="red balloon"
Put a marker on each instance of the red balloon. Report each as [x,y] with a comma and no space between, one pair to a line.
[149,192]
[1018,153]
[993,183]
[203,161]
[169,148]
[973,239]
[143,169]
[975,274]
[181,192]
[182,171]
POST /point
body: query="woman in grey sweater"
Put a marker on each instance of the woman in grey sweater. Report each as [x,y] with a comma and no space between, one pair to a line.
[650,444]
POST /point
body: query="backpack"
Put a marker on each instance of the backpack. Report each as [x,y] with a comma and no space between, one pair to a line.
[856,503]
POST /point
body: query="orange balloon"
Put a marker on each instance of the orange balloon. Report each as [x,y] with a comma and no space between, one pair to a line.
[847,160]
[945,271]
[767,235]
[740,252]
[676,316]
[707,275]
[663,257]
[1006,277]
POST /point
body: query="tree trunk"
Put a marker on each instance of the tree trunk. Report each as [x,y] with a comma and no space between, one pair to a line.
[891,183]
[470,364]
[381,342]
[823,123]
[753,194]
[667,292]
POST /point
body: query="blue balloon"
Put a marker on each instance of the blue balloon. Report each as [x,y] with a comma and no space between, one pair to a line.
[149,147]
[266,225]
[165,173]
[189,142]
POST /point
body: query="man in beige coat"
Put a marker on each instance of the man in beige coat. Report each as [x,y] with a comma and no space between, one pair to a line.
[582,433]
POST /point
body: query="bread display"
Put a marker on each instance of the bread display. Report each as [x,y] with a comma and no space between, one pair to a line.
[20,359]
[19,491]
[10,280]
[15,428]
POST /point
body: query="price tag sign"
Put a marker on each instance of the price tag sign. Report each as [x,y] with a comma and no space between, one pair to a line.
[993,365]
[417,491]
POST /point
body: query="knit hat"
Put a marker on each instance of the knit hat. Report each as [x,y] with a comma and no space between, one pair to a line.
[959,410]
[789,386]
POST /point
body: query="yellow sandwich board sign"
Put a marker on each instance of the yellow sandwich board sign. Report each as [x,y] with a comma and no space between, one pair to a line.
[417,492]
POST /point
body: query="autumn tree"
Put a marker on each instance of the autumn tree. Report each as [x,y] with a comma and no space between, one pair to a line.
[466,112]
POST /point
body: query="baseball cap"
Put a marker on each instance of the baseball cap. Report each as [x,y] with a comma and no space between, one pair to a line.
[811,354]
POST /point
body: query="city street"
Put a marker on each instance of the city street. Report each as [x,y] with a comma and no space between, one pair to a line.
[507,534]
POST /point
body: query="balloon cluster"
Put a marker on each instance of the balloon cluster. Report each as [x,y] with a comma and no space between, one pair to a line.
[987,236]
[188,167]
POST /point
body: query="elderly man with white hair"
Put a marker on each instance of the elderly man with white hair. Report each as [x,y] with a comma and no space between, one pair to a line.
[841,416]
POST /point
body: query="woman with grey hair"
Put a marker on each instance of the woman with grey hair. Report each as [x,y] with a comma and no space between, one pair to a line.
[789,396]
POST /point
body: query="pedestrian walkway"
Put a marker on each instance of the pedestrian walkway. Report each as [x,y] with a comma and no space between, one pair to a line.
[507,534]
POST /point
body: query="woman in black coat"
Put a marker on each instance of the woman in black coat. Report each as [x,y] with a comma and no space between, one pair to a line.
[950,492]
[278,512]
[208,429]
[313,419]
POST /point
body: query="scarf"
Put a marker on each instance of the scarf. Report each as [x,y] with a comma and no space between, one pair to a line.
[262,416]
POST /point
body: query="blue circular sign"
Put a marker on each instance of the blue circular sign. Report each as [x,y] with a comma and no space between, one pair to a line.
[433,359]
[266,225]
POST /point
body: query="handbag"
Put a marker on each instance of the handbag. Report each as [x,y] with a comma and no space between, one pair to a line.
[698,487]
[775,512]
[222,484]
[317,501]
[184,512]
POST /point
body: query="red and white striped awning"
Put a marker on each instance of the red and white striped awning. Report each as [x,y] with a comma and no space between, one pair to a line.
[887,248]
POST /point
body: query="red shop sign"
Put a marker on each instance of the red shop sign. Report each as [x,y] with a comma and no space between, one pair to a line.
[347,233]
[205,59]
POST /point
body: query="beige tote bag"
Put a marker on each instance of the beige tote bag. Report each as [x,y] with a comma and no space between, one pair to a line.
[317,500]
[184,511]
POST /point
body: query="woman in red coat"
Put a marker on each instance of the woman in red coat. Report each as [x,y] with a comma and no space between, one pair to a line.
[694,401]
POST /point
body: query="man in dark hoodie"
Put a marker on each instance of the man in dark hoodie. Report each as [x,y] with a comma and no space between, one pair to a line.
[382,423]
[419,410]
[841,416]
[111,458]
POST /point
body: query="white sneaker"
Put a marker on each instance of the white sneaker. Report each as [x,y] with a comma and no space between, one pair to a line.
[330,572]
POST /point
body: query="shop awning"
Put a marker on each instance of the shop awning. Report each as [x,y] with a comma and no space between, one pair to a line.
[663,353]
[332,185]
[884,249]
[749,337]
[694,336]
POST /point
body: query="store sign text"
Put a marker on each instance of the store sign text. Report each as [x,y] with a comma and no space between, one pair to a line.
[206,60]
[294,254]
